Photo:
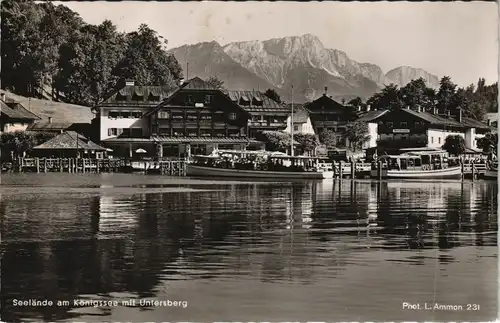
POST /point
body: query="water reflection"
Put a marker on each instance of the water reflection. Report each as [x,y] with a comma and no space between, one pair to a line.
[312,233]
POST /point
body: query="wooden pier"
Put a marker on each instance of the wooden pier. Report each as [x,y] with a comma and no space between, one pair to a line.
[88,165]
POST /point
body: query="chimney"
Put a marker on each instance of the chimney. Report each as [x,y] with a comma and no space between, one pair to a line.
[435,110]
[50,119]
[359,108]
[326,90]
[448,113]
[3,97]
[419,109]
[129,82]
[368,107]
[181,82]
[488,122]
[459,115]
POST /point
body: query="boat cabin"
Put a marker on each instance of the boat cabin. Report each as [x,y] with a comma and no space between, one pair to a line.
[412,159]
[260,160]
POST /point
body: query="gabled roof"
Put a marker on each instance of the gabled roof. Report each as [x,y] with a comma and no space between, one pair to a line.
[139,95]
[476,123]
[15,110]
[371,115]
[256,101]
[68,140]
[324,101]
[197,83]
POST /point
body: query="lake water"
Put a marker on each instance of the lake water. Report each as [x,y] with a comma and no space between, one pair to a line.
[256,251]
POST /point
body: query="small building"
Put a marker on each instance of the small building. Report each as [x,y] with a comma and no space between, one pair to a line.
[69,144]
[15,117]
[301,120]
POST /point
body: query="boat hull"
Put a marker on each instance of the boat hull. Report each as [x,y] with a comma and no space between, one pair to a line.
[447,173]
[490,174]
[195,170]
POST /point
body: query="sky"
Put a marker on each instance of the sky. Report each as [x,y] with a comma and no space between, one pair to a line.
[458,39]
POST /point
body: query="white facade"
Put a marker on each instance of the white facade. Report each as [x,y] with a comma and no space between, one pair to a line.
[437,137]
[300,127]
[373,133]
[16,126]
[111,126]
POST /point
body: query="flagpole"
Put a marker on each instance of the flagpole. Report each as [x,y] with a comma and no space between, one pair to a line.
[291,126]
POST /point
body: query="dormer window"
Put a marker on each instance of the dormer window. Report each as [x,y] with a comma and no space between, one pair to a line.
[244,100]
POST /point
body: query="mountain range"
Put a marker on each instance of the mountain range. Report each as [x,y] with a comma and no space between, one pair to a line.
[301,61]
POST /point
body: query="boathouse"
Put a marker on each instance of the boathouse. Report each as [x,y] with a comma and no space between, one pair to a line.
[69,144]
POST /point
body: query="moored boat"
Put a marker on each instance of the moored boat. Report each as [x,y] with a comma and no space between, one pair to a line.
[260,164]
[417,164]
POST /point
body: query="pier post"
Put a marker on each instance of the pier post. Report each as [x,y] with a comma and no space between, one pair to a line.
[37,161]
[379,166]
[21,161]
[473,169]
[462,168]
[353,169]
[340,170]
[45,165]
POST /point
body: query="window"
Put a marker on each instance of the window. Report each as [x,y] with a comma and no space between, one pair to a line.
[432,140]
[113,114]
[439,140]
[163,115]
[389,124]
[137,114]
[112,132]
[189,99]
[232,116]
[295,128]
[126,114]
[404,124]
[208,99]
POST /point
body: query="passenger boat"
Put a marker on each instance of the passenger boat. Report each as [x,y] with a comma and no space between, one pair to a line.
[259,164]
[418,163]
[491,171]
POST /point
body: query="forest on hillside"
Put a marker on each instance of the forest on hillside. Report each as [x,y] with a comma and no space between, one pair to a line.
[49,50]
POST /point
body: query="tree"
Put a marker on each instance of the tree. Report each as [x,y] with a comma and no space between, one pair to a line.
[273,95]
[215,83]
[328,138]
[356,102]
[145,60]
[307,142]
[388,98]
[446,98]
[416,94]
[275,140]
[15,144]
[357,134]
[454,145]
[489,143]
